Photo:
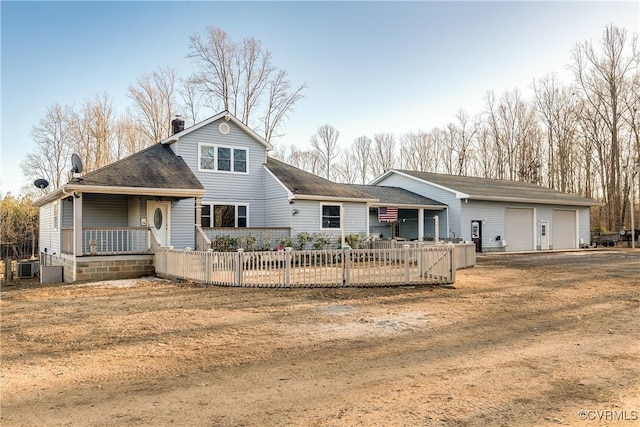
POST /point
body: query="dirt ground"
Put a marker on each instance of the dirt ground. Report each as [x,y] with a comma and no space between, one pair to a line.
[523,340]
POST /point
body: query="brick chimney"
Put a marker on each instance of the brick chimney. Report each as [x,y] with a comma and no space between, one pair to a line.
[177,125]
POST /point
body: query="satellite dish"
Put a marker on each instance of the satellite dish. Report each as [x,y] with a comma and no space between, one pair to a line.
[41,183]
[76,163]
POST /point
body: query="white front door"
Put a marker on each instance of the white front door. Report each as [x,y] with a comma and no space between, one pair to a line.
[158,220]
[544,235]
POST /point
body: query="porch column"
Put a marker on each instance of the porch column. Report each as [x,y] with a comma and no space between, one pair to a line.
[420,224]
[77,224]
[366,221]
[198,211]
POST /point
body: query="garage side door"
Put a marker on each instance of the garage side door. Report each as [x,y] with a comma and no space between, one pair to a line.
[519,229]
[563,229]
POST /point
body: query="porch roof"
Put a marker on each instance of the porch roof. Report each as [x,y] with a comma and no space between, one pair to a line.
[154,171]
[398,197]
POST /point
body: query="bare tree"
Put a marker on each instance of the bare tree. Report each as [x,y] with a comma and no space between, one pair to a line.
[383,156]
[241,78]
[192,101]
[53,138]
[306,160]
[345,170]
[154,105]
[361,157]
[281,100]
[604,79]
[325,144]
[418,152]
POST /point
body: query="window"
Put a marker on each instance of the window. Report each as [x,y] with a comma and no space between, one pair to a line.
[239,160]
[207,154]
[56,216]
[330,216]
[242,216]
[224,215]
[222,159]
[206,216]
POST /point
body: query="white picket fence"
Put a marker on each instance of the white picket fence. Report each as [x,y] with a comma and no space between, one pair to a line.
[325,268]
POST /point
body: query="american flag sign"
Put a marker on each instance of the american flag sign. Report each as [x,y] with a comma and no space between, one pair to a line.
[387,214]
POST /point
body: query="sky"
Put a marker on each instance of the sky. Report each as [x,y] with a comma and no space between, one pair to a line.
[370,66]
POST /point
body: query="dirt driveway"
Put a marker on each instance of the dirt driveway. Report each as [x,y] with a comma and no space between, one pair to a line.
[524,340]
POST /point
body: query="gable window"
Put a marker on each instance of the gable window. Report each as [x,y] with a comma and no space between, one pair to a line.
[222,159]
[218,215]
[330,216]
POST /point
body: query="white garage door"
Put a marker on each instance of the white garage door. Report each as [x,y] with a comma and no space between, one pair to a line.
[563,229]
[519,229]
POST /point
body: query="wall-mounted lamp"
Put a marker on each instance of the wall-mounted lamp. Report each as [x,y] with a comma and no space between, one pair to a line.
[295,212]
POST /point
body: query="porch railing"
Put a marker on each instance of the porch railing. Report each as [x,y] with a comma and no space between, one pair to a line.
[109,241]
[326,268]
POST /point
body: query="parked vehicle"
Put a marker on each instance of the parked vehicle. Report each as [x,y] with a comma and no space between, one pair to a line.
[605,239]
[625,235]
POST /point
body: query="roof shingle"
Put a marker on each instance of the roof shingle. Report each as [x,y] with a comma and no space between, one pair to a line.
[394,196]
[154,167]
[303,183]
[498,189]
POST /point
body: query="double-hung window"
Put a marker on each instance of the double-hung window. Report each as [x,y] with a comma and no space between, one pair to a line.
[214,158]
[330,216]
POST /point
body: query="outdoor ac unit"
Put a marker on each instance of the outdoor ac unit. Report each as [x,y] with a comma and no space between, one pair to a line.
[27,270]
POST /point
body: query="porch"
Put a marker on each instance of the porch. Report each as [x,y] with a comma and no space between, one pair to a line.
[96,241]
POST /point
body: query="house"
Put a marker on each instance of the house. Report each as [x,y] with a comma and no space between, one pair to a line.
[500,215]
[215,179]
[211,179]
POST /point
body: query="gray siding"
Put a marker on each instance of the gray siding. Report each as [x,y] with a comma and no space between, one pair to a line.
[452,228]
[183,220]
[492,215]
[309,217]
[227,187]
[49,236]
[137,210]
[278,212]
[105,210]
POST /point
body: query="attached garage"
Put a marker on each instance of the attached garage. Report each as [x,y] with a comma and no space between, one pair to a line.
[500,215]
[563,229]
[519,229]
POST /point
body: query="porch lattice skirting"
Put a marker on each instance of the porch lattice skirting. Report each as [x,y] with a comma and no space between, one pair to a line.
[310,269]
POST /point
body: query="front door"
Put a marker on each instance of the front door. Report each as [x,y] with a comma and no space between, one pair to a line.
[544,235]
[476,234]
[158,220]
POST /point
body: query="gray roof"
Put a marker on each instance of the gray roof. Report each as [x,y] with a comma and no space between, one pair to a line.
[395,196]
[154,167]
[501,190]
[302,183]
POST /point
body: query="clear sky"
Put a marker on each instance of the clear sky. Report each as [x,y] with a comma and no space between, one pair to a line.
[370,66]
